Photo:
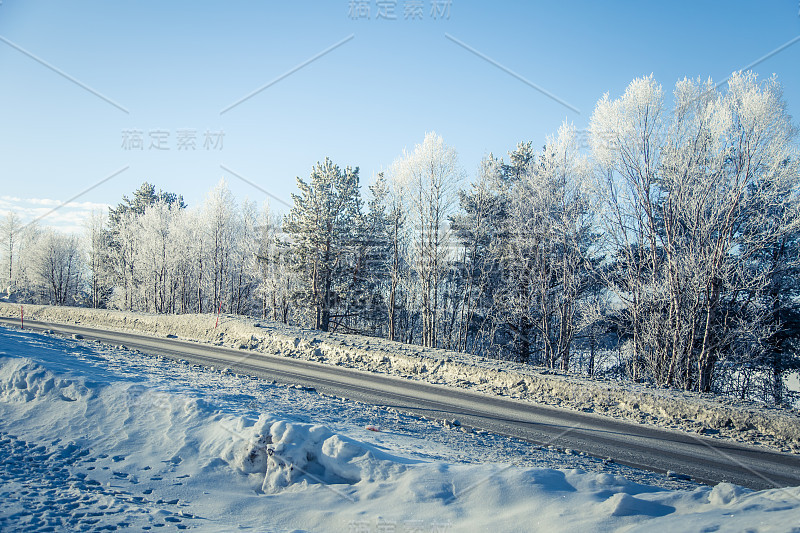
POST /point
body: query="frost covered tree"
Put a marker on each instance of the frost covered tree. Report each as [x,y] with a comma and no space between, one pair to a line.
[123,240]
[544,251]
[396,220]
[276,281]
[691,199]
[511,322]
[167,259]
[479,227]
[123,256]
[244,269]
[143,197]
[380,282]
[26,280]
[363,306]
[156,255]
[10,228]
[626,138]
[192,263]
[432,178]
[323,228]
[524,228]
[399,283]
[97,241]
[59,268]
[220,218]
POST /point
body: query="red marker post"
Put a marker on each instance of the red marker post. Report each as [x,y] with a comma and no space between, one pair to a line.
[21,318]
[219,310]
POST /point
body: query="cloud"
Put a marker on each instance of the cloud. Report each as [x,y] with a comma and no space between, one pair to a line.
[68,218]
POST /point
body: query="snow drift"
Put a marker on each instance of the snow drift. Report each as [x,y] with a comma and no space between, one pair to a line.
[279,453]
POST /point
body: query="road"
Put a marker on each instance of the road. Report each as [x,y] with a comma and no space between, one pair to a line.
[704,459]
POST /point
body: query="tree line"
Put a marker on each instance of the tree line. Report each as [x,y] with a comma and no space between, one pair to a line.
[665,250]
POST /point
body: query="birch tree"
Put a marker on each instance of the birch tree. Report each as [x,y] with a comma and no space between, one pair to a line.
[155,261]
[432,176]
[276,280]
[480,227]
[244,262]
[59,267]
[97,247]
[220,220]
[691,199]
[396,213]
[10,234]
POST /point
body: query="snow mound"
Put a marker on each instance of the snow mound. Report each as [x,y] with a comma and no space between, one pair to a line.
[23,380]
[283,453]
[622,504]
[726,494]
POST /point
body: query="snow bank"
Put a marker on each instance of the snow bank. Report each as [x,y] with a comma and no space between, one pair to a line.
[168,438]
[280,453]
[705,414]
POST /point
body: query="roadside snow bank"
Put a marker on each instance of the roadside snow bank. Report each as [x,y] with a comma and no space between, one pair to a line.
[99,437]
[713,416]
[278,452]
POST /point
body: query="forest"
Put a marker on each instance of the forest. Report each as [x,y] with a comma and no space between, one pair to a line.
[660,247]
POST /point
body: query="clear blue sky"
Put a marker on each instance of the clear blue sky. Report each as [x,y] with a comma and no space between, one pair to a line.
[176,65]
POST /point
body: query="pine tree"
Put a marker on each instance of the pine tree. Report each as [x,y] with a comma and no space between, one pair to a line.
[323,225]
[375,255]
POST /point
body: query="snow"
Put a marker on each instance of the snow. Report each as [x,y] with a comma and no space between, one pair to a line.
[101,438]
[721,418]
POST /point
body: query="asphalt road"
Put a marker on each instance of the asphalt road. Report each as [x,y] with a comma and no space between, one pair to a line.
[704,459]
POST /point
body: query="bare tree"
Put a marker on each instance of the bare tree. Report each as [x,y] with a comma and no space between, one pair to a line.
[97,246]
[59,267]
[9,233]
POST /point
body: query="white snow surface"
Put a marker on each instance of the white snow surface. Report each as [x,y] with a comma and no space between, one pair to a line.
[94,438]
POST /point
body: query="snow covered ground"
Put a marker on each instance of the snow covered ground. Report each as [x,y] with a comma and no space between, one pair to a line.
[98,438]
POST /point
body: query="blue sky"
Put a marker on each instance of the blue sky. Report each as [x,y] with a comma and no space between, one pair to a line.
[174,66]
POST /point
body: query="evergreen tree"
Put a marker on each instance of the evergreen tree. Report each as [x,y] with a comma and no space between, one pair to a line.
[323,225]
[375,257]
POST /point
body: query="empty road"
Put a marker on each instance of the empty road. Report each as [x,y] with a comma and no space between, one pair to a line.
[704,459]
